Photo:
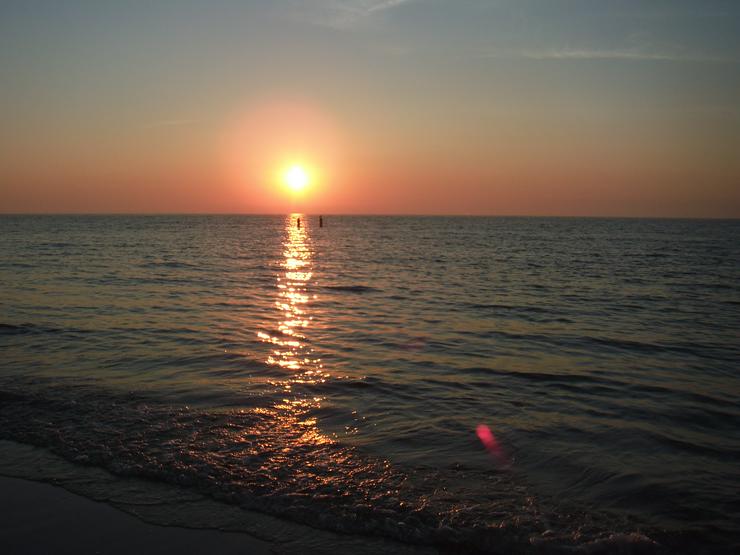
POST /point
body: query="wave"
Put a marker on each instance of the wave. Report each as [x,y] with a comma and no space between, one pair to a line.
[603,343]
[508,307]
[351,288]
[273,459]
[35,329]
[10,329]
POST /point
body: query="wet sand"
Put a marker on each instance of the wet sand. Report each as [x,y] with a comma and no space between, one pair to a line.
[38,518]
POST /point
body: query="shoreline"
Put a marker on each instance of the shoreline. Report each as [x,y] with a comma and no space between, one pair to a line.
[53,505]
[40,518]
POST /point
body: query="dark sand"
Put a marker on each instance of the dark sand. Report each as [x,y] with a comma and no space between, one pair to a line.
[37,518]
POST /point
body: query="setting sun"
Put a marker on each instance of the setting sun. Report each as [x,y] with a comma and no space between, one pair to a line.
[296,178]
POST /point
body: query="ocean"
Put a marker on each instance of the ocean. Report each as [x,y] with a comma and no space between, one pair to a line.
[463,384]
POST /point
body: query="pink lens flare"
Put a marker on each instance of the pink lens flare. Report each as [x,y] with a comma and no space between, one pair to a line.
[491,444]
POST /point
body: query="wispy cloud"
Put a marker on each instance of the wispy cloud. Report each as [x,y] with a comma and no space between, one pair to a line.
[377,6]
[626,54]
[348,13]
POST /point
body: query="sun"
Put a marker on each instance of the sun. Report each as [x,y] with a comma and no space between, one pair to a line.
[296,178]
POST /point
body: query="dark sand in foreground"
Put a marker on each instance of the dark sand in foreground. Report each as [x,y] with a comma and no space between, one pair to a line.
[38,518]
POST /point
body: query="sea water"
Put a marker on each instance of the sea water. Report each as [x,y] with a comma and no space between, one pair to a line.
[491,384]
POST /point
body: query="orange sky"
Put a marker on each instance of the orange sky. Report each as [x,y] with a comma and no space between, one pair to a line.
[393,107]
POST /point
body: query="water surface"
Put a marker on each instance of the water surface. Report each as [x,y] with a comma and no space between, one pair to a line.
[336,376]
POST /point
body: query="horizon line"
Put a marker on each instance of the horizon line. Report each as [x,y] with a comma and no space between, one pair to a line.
[361,214]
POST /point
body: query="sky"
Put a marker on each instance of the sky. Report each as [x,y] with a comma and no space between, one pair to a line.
[510,107]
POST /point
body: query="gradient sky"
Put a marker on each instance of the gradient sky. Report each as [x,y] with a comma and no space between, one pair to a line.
[398,106]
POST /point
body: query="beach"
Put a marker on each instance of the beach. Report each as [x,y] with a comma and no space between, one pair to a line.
[54,506]
[38,518]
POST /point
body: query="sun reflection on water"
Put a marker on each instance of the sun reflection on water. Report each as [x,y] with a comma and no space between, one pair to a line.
[290,349]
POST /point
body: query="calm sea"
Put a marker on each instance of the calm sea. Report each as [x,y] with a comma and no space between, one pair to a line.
[492,384]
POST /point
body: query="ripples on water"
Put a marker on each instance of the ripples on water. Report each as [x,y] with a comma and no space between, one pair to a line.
[336,376]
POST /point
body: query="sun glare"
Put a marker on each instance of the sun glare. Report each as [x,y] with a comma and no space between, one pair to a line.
[296,178]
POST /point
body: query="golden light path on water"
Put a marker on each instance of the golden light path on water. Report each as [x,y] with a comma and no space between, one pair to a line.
[289,348]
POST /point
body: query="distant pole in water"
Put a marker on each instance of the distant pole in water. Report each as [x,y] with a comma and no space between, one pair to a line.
[299,223]
[321,221]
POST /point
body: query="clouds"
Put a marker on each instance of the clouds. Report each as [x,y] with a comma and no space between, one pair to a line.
[345,14]
[616,55]
[634,46]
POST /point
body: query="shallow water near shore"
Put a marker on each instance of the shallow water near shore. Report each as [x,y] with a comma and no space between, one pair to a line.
[336,376]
